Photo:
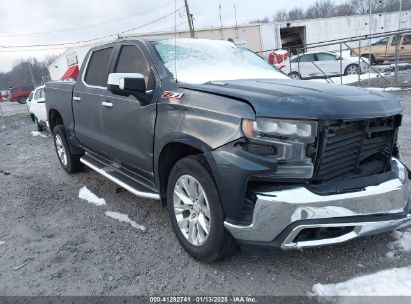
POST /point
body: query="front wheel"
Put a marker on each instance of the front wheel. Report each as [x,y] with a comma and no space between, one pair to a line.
[195,211]
[70,162]
[38,125]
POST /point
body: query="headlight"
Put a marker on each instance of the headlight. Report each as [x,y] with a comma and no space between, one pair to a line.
[289,138]
[266,128]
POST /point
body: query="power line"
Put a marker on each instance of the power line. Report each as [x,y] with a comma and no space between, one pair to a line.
[85,26]
[89,40]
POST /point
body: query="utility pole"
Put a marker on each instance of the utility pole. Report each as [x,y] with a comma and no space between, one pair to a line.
[221,23]
[397,46]
[31,73]
[189,19]
[236,25]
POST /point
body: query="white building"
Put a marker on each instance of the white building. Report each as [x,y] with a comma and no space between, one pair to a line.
[269,36]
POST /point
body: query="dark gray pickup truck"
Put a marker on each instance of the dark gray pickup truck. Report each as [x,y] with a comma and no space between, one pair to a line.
[238,153]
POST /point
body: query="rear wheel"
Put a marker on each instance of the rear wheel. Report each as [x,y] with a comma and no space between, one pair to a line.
[70,162]
[352,69]
[22,100]
[195,211]
[294,75]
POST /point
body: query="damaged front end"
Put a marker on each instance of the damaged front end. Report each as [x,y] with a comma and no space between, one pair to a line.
[296,184]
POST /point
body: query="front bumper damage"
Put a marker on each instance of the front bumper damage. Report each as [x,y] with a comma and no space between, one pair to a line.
[299,218]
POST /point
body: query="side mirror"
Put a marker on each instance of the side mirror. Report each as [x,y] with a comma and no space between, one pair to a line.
[126,83]
[41,100]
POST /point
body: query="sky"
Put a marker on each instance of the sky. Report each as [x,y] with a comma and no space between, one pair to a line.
[55,21]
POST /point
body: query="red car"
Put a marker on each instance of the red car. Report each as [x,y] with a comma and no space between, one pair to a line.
[20,94]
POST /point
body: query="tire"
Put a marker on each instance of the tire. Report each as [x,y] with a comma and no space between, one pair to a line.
[38,125]
[352,69]
[218,244]
[22,100]
[294,75]
[70,162]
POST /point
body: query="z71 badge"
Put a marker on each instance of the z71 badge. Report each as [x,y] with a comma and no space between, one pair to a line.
[173,96]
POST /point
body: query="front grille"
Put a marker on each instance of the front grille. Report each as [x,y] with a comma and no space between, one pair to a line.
[355,148]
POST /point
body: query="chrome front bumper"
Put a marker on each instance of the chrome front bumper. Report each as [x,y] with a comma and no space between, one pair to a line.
[276,211]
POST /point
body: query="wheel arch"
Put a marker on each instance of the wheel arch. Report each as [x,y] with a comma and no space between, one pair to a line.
[55,119]
[170,153]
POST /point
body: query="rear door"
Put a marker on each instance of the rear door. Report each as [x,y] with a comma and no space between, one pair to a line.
[304,65]
[379,48]
[87,97]
[127,121]
[391,47]
[328,63]
[405,47]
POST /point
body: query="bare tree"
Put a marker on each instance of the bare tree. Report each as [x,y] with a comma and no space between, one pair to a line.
[296,14]
[320,9]
[280,15]
[344,9]
[263,20]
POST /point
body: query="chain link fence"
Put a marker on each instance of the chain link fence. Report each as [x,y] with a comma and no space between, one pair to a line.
[380,60]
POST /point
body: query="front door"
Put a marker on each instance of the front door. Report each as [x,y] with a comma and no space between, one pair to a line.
[128,122]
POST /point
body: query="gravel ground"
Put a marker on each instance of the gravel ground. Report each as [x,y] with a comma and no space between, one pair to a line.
[58,244]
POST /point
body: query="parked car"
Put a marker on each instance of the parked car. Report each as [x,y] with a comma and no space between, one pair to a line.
[37,108]
[238,152]
[28,100]
[321,64]
[385,48]
[20,94]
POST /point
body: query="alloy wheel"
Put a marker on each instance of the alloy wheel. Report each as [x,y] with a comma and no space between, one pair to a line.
[61,151]
[191,210]
[352,70]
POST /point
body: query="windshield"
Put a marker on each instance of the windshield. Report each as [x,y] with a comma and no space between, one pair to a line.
[202,60]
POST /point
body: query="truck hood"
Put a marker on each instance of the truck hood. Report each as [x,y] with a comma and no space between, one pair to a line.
[284,98]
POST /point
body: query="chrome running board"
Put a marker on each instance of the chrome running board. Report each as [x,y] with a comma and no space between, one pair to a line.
[119,178]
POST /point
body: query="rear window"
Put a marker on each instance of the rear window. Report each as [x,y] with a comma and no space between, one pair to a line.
[325,57]
[304,58]
[97,69]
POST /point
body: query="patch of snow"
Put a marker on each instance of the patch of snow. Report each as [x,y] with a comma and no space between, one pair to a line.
[2,242]
[401,243]
[281,52]
[90,197]
[303,213]
[385,89]
[346,79]
[391,282]
[37,133]
[124,218]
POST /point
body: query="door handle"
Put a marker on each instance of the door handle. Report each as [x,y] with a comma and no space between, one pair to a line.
[107,104]
[76,98]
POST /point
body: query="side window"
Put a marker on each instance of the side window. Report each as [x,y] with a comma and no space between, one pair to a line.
[406,39]
[41,93]
[133,60]
[395,40]
[307,58]
[30,96]
[37,94]
[97,71]
[383,41]
[325,57]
